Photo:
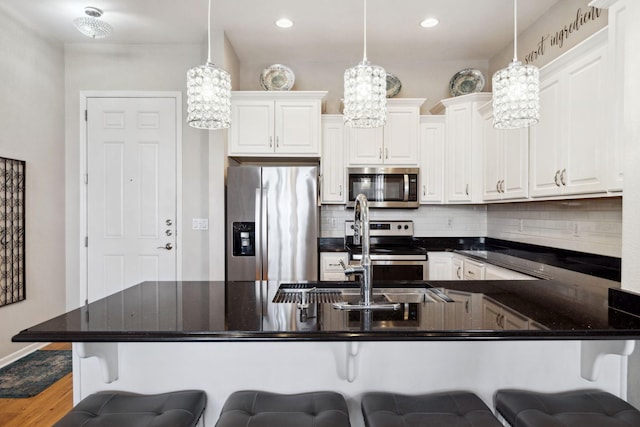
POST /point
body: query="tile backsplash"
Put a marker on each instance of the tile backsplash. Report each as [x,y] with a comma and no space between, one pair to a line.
[429,220]
[585,225]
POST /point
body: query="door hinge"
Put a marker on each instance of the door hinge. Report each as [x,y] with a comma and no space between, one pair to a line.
[86,115]
[86,241]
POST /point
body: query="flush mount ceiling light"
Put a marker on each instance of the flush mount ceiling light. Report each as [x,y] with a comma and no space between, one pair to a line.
[208,93]
[516,90]
[91,25]
[429,22]
[365,91]
[284,23]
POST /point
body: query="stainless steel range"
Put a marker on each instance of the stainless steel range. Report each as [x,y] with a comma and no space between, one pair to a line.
[395,255]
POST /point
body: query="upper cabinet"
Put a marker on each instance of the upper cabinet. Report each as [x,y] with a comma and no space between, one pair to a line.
[569,148]
[332,162]
[505,160]
[275,124]
[396,143]
[432,135]
[463,147]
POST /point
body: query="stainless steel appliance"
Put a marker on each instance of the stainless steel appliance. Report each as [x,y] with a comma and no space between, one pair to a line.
[272,223]
[384,187]
[394,253]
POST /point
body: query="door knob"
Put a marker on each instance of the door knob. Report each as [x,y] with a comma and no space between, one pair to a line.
[168,246]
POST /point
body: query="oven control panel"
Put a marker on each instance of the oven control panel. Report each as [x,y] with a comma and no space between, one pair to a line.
[383,228]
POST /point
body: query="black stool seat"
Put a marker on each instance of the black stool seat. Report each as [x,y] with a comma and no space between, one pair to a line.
[123,409]
[457,408]
[252,408]
[579,408]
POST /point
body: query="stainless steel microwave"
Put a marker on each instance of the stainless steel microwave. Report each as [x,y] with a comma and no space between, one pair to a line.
[384,187]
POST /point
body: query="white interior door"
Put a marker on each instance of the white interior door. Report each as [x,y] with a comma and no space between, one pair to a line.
[131,192]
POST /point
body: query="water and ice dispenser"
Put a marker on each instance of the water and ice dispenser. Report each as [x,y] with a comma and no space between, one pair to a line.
[244,239]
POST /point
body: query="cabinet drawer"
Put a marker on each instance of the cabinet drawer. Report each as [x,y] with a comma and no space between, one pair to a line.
[473,270]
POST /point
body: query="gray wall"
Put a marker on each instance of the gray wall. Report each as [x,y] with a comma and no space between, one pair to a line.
[32,129]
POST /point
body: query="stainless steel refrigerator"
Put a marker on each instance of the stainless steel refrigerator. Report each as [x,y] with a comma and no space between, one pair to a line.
[272,223]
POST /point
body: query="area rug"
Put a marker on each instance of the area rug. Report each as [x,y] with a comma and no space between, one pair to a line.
[33,373]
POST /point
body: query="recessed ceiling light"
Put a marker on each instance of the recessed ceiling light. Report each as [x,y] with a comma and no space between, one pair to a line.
[284,23]
[429,23]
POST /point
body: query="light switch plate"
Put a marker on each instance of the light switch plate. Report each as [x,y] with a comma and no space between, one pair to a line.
[199,224]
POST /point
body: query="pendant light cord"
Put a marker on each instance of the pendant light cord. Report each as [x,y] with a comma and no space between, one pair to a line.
[209,35]
[364,59]
[515,30]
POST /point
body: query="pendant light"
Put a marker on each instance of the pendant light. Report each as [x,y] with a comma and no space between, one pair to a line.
[365,91]
[208,93]
[91,25]
[516,89]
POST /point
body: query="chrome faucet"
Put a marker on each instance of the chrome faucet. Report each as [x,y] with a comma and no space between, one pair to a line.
[361,236]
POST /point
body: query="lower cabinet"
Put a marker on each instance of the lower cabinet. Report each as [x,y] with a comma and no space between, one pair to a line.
[497,316]
[330,267]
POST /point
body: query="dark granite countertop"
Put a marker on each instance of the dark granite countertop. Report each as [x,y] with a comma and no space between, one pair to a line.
[244,311]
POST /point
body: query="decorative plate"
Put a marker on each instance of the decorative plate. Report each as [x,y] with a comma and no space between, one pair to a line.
[393,85]
[466,81]
[277,77]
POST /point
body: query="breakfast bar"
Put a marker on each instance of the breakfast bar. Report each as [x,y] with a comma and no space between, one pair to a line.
[223,337]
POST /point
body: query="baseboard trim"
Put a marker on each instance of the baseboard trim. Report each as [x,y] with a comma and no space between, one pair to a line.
[21,353]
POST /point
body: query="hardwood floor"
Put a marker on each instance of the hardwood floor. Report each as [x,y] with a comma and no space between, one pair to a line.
[44,409]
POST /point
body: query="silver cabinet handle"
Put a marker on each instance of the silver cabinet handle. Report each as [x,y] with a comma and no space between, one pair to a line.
[340,189]
[466,189]
[380,154]
[277,142]
[498,186]
[270,142]
[458,273]
[424,190]
[563,176]
[556,178]
[386,153]
[168,246]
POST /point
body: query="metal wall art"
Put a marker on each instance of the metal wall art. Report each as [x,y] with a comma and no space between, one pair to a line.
[12,231]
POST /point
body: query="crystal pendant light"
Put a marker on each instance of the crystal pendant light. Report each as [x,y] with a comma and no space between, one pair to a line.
[365,91]
[516,89]
[91,25]
[208,93]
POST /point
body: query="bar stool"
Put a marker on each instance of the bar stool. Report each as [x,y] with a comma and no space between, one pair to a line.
[251,408]
[117,408]
[456,408]
[578,408]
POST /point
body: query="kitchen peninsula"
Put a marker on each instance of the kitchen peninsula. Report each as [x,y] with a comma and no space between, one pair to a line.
[222,337]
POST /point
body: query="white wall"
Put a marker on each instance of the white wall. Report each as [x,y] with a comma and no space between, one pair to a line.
[135,67]
[31,123]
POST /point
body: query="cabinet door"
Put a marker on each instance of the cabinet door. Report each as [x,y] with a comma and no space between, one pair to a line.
[457,268]
[330,268]
[585,124]
[401,137]
[458,161]
[515,167]
[544,154]
[252,127]
[492,160]
[365,146]
[332,160]
[439,266]
[432,160]
[297,129]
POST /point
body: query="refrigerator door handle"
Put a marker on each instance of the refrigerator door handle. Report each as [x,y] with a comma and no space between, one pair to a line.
[258,235]
[264,238]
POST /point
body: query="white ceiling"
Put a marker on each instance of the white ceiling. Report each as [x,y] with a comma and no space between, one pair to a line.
[324,30]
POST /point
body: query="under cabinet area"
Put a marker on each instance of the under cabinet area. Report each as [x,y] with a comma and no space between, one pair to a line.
[570,148]
[268,124]
[396,143]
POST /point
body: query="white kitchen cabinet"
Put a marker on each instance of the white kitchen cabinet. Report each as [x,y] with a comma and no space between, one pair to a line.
[498,317]
[440,265]
[432,137]
[569,146]
[332,167]
[269,124]
[457,267]
[396,143]
[330,267]
[505,160]
[473,270]
[463,152]
[493,272]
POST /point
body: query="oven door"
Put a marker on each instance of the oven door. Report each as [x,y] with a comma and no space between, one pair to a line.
[399,270]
